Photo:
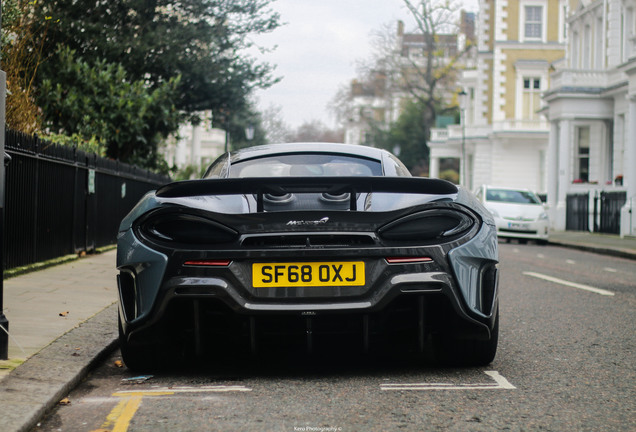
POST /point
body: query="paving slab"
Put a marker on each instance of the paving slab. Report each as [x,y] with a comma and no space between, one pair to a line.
[43,305]
[36,386]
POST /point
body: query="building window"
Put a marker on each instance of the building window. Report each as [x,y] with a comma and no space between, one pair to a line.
[533,25]
[575,50]
[583,154]
[587,37]
[609,152]
[470,109]
[564,26]
[531,98]
[598,50]
[627,33]
[379,115]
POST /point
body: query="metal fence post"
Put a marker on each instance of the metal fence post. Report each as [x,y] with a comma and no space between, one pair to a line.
[4,322]
[36,196]
[596,215]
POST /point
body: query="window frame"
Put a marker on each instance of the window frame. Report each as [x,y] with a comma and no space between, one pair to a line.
[580,156]
[523,21]
[533,72]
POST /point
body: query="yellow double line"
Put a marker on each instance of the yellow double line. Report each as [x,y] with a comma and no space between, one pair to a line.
[120,416]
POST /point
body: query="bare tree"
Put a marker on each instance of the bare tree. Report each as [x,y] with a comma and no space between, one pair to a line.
[316,131]
[276,131]
[379,64]
[434,66]
[341,104]
[419,66]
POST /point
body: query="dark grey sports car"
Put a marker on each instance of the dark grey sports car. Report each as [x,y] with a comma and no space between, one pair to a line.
[308,245]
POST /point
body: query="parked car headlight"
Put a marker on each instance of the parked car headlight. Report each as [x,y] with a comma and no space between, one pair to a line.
[543,216]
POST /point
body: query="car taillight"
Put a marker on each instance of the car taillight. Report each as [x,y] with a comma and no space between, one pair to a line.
[408,260]
[427,225]
[208,263]
[186,229]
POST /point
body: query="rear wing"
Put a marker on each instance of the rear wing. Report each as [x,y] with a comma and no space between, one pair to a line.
[330,185]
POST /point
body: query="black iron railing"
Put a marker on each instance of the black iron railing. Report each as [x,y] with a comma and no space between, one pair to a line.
[577,212]
[605,214]
[60,200]
[610,211]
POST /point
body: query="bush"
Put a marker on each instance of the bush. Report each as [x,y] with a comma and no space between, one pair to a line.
[450,175]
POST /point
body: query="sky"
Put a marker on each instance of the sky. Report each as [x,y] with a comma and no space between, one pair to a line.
[318,49]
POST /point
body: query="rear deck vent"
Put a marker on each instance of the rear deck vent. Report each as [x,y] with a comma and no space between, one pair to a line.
[319,241]
[333,198]
[283,198]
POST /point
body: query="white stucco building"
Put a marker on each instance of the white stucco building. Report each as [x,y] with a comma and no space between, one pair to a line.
[503,140]
[196,145]
[591,108]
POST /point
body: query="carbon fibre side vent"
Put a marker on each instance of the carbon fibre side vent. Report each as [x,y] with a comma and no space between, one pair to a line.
[128,289]
[488,279]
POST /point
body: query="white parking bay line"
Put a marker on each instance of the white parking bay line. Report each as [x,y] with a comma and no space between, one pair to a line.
[570,284]
[500,383]
[162,391]
[500,380]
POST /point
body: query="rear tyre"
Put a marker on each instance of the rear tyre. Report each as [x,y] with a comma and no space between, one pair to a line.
[451,351]
[137,357]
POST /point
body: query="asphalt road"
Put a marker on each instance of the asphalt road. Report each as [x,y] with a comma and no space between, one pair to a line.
[566,362]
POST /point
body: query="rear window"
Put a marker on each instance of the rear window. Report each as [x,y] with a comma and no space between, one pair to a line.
[306,165]
[512,196]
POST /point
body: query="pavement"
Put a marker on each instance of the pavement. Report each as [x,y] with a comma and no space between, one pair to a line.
[63,322]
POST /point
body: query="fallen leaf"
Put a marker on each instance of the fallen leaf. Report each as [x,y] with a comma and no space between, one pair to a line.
[63,314]
[119,363]
[65,401]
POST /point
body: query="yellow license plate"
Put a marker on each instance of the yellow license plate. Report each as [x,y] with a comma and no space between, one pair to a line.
[303,274]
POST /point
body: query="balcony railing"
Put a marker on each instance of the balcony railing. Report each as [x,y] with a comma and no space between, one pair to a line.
[439,135]
[578,78]
[454,132]
[519,125]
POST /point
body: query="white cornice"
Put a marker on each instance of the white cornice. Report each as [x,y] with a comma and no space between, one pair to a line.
[535,46]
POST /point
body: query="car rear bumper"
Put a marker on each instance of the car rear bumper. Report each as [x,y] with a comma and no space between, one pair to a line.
[463,283]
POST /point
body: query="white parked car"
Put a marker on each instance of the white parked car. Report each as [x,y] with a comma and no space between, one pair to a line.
[518,213]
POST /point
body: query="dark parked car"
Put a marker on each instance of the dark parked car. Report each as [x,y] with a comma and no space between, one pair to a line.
[308,245]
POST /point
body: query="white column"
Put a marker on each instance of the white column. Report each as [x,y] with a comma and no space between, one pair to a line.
[195,155]
[553,172]
[563,172]
[628,221]
[433,167]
